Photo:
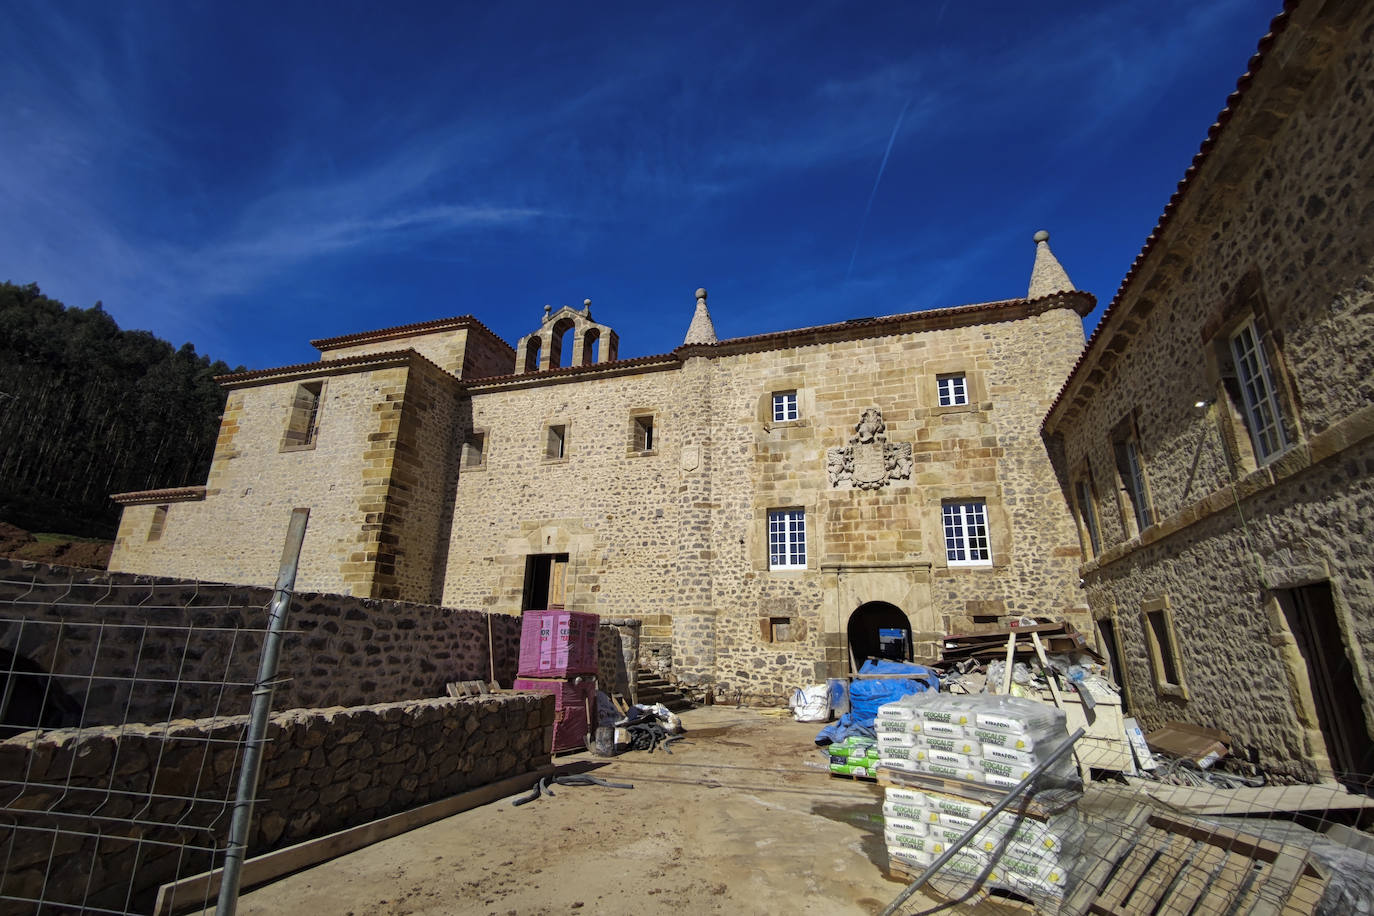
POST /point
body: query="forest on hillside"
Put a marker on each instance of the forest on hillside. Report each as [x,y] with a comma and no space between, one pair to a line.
[88,409]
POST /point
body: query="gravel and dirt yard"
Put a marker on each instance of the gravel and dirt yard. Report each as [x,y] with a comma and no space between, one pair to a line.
[738,819]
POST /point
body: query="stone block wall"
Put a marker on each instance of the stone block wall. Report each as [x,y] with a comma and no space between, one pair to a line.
[339,651]
[1276,226]
[323,770]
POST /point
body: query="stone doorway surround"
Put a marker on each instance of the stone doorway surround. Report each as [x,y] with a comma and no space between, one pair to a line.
[846,586]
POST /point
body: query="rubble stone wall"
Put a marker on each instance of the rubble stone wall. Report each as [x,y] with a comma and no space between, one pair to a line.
[339,651]
[1276,227]
[323,770]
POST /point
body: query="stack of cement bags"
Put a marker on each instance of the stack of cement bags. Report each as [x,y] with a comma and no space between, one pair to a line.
[856,755]
[956,749]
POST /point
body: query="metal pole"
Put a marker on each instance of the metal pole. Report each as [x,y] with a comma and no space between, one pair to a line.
[237,848]
[986,819]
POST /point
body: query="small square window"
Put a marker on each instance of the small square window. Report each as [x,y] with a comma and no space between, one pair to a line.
[158,523]
[966,534]
[474,449]
[557,442]
[952,389]
[780,629]
[643,432]
[784,406]
[787,539]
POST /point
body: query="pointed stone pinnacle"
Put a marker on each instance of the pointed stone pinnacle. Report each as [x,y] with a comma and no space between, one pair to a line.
[1048,275]
[701,330]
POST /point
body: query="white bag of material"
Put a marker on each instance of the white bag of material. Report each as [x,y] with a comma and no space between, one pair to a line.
[811,704]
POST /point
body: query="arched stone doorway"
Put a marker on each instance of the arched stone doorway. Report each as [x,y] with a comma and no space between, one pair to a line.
[879,630]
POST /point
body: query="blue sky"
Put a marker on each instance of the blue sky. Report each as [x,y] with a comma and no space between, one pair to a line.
[248,176]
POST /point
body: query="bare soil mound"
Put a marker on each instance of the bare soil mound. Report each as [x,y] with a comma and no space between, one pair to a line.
[57,549]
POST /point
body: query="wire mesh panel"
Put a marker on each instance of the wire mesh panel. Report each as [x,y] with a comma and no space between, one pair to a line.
[133,729]
[122,744]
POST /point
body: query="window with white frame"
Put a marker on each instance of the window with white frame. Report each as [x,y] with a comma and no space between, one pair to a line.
[1259,393]
[966,534]
[787,539]
[952,389]
[784,406]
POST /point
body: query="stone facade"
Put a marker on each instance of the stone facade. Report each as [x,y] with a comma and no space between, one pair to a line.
[1272,230]
[323,770]
[650,481]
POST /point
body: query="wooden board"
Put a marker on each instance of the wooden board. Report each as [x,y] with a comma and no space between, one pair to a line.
[1261,801]
[1174,865]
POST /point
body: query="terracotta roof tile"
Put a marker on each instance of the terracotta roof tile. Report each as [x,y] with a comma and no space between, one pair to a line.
[406,330]
[167,495]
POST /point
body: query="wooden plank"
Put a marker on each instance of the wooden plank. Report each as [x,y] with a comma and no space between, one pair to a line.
[1278,883]
[189,893]
[1259,801]
[1251,895]
[1123,883]
[1305,897]
[1159,879]
[1091,883]
[1226,882]
[1244,844]
[1006,674]
[1193,880]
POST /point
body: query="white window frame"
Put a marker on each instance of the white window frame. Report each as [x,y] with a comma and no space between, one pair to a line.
[1263,419]
[952,389]
[968,542]
[787,538]
[785,407]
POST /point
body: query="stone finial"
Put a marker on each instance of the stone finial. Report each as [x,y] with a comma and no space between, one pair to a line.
[701,330]
[547,310]
[587,307]
[1047,275]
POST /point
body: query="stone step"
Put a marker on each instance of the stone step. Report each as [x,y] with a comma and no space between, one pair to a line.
[654,689]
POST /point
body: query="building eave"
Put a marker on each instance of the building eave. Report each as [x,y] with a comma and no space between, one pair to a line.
[361,363]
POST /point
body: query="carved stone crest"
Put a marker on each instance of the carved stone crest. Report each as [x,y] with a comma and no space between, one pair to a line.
[869,461]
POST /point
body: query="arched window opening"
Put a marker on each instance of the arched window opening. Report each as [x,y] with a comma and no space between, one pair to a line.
[532,355]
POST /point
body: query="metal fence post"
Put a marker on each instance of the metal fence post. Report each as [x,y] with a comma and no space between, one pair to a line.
[237,847]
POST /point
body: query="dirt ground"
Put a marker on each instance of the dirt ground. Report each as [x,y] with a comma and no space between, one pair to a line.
[60,550]
[738,819]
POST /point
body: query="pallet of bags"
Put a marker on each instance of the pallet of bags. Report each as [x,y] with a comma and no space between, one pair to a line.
[854,756]
[945,760]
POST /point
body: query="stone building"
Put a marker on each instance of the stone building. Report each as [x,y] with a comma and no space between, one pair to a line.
[765,505]
[1215,438]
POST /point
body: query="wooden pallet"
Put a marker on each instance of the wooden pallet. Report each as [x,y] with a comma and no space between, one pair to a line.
[1172,865]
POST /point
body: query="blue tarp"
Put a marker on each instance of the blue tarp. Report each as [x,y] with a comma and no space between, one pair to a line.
[865,696]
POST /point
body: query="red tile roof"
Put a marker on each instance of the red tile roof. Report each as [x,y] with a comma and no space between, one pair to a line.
[327,367]
[409,330]
[168,495]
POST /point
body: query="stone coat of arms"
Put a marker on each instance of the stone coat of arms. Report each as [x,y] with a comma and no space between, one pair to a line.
[869,461]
